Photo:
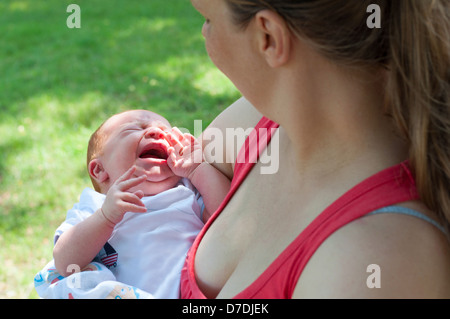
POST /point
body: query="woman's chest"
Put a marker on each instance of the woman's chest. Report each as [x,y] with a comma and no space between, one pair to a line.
[260,221]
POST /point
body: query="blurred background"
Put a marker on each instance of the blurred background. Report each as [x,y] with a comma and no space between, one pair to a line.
[57,85]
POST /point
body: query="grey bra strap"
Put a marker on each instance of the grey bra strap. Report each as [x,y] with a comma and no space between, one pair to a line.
[407,211]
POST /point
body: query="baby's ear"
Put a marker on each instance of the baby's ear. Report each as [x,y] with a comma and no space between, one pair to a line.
[97,171]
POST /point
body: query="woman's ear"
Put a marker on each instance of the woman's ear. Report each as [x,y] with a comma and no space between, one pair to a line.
[97,171]
[274,37]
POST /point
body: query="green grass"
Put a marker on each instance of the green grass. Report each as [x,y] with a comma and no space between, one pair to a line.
[58,84]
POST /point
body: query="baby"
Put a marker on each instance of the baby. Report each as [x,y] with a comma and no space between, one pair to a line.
[152,195]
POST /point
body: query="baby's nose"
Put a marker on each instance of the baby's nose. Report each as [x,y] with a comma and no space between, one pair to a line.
[154,132]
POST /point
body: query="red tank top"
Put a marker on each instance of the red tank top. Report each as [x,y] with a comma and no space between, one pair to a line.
[390,186]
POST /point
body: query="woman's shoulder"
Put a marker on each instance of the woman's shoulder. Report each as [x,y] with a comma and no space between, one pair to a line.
[240,114]
[380,256]
[224,137]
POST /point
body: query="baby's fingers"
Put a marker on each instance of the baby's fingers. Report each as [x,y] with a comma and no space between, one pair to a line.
[175,143]
[139,194]
[132,182]
[172,159]
[179,135]
[132,203]
[189,138]
[135,208]
[126,175]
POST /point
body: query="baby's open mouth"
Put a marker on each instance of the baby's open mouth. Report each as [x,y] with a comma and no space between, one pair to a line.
[154,151]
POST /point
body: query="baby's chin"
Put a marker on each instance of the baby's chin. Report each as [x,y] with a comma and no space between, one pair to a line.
[150,188]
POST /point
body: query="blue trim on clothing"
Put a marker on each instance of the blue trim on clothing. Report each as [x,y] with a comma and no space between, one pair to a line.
[409,212]
[202,209]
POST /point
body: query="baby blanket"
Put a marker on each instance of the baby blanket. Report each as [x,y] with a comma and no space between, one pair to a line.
[94,282]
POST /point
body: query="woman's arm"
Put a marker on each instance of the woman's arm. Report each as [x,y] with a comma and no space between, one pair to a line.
[379,257]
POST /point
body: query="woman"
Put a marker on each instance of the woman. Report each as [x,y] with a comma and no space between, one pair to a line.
[363,141]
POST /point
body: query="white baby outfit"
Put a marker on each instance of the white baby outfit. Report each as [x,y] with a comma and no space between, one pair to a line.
[144,254]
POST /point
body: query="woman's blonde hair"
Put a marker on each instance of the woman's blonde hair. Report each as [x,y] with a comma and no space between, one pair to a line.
[413,44]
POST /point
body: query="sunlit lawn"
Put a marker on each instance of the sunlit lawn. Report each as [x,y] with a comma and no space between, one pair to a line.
[58,84]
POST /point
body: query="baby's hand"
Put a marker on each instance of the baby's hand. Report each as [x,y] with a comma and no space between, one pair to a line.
[119,200]
[185,153]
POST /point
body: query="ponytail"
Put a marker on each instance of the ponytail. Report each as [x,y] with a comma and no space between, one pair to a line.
[418,93]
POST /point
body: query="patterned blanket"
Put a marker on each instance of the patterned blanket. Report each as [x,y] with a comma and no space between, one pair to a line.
[96,281]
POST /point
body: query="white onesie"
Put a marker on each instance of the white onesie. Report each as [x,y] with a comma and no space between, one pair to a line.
[146,250]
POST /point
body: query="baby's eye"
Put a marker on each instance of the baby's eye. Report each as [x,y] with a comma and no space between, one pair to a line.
[134,128]
[131,129]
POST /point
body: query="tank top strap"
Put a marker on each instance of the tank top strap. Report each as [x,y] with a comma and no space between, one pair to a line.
[407,211]
[254,145]
[247,157]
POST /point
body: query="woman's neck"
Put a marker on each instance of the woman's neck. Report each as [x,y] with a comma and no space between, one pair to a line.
[334,116]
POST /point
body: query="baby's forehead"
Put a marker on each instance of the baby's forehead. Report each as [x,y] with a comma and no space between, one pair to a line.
[139,117]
